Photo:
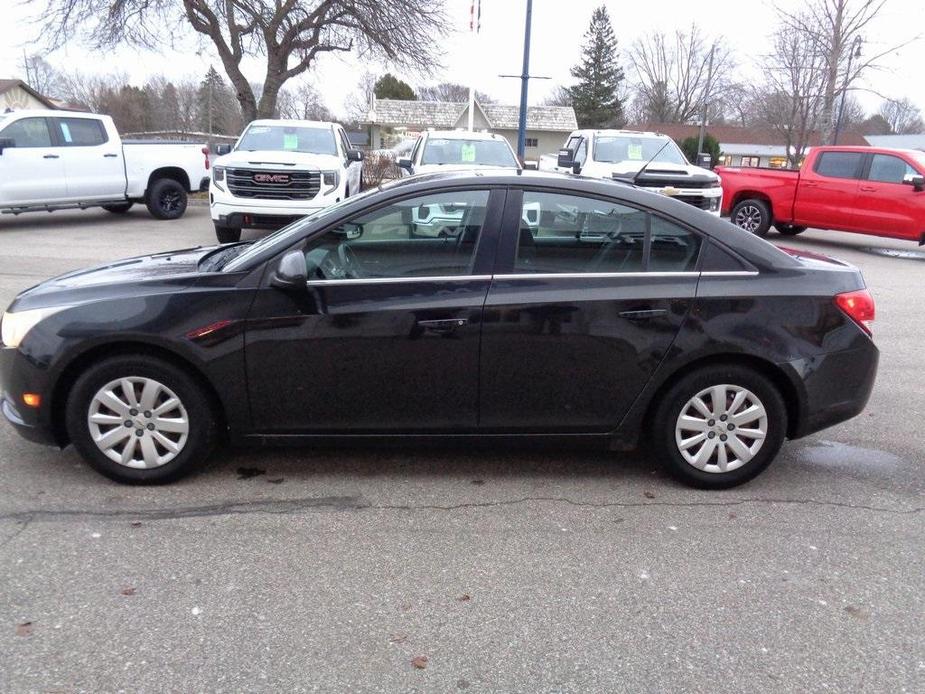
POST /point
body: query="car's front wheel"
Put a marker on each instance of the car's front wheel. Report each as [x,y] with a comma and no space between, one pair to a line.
[227,234]
[719,426]
[753,215]
[140,420]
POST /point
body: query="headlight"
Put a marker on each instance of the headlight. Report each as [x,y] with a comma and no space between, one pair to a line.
[330,179]
[218,174]
[16,325]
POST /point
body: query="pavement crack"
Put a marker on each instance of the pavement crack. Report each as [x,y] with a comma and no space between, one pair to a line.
[358,503]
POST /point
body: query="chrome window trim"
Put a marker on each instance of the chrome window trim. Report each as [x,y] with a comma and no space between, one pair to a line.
[395,280]
[525,276]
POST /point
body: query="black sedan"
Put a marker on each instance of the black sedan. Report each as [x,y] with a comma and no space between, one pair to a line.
[536,306]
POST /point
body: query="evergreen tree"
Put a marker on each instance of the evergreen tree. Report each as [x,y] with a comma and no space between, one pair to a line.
[216,105]
[596,95]
[390,87]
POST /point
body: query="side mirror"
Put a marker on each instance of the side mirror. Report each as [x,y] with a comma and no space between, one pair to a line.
[291,273]
[354,155]
[566,159]
[5,143]
[704,160]
[917,181]
[404,163]
[222,150]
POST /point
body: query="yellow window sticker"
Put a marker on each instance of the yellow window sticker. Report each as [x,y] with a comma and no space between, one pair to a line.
[634,151]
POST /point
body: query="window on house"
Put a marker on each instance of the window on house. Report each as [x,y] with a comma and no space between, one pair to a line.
[531,142]
[751,161]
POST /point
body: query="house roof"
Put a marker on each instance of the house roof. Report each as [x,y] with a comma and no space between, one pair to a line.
[739,135]
[446,114]
[10,84]
[898,141]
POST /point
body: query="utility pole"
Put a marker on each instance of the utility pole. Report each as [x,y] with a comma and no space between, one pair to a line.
[855,53]
[706,102]
[524,82]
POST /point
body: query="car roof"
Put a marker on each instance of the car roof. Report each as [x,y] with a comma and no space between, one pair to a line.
[463,135]
[48,112]
[291,121]
[628,133]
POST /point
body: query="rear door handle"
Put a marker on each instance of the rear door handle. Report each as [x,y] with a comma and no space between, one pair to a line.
[868,189]
[50,156]
[644,314]
[112,156]
[443,325]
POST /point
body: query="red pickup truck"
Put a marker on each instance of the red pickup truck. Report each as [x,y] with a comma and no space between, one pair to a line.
[868,190]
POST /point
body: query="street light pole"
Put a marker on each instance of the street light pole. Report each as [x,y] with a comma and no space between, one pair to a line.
[855,53]
[524,82]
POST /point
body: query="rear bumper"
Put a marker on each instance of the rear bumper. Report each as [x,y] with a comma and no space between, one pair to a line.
[837,387]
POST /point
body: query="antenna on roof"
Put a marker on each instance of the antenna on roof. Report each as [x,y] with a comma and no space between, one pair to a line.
[640,172]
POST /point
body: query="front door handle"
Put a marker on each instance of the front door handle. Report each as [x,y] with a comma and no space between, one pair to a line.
[443,326]
[644,314]
[111,156]
[868,189]
[50,156]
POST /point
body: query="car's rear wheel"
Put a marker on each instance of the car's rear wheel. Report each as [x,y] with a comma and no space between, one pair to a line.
[227,234]
[719,426]
[753,215]
[140,420]
[166,199]
[121,208]
[788,229]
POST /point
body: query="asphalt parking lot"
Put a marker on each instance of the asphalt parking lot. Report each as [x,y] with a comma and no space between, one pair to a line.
[512,570]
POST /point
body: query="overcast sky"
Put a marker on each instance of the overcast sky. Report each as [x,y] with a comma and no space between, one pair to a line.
[558,27]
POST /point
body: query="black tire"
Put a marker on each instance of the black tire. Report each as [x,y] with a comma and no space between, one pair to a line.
[227,234]
[753,215]
[673,404]
[198,410]
[121,208]
[789,229]
[166,199]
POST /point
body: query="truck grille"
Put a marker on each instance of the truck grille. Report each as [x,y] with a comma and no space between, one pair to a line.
[695,200]
[267,184]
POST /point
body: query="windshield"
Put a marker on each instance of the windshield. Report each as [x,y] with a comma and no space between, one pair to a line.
[288,138]
[619,148]
[474,152]
[248,251]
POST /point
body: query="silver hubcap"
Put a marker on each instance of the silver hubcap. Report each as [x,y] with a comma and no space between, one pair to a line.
[138,422]
[749,218]
[721,428]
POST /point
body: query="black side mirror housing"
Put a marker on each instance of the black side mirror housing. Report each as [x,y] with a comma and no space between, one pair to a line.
[291,273]
[917,181]
[6,143]
[705,160]
[404,163]
[566,159]
[354,155]
[222,150]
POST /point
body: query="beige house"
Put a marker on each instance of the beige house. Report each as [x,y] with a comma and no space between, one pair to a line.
[391,120]
[16,95]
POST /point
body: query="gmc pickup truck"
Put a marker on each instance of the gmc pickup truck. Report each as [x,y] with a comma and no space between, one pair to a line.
[56,160]
[867,190]
[621,155]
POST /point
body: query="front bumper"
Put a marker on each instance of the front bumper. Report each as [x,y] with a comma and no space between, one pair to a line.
[17,376]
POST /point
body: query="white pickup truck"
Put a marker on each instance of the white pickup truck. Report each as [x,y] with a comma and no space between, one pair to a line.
[55,160]
[279,171]
[621,154]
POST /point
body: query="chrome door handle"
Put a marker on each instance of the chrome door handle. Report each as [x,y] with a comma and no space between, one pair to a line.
[644,314]
[443,325]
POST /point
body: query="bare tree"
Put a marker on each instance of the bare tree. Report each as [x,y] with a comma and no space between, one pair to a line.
[42,76]
[838,29]
[450,91]
[288,34]
[790,100]
[559,96]
[360,101]
[902,116]
[303,103]
[672,74]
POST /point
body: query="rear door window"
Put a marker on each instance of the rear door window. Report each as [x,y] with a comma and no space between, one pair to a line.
[80,132]
[839,164]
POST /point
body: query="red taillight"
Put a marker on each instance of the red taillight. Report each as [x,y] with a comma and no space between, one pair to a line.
[859,306]
[205,150]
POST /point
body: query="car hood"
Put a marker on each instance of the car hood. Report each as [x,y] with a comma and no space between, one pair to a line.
[277,159]
[171,271]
